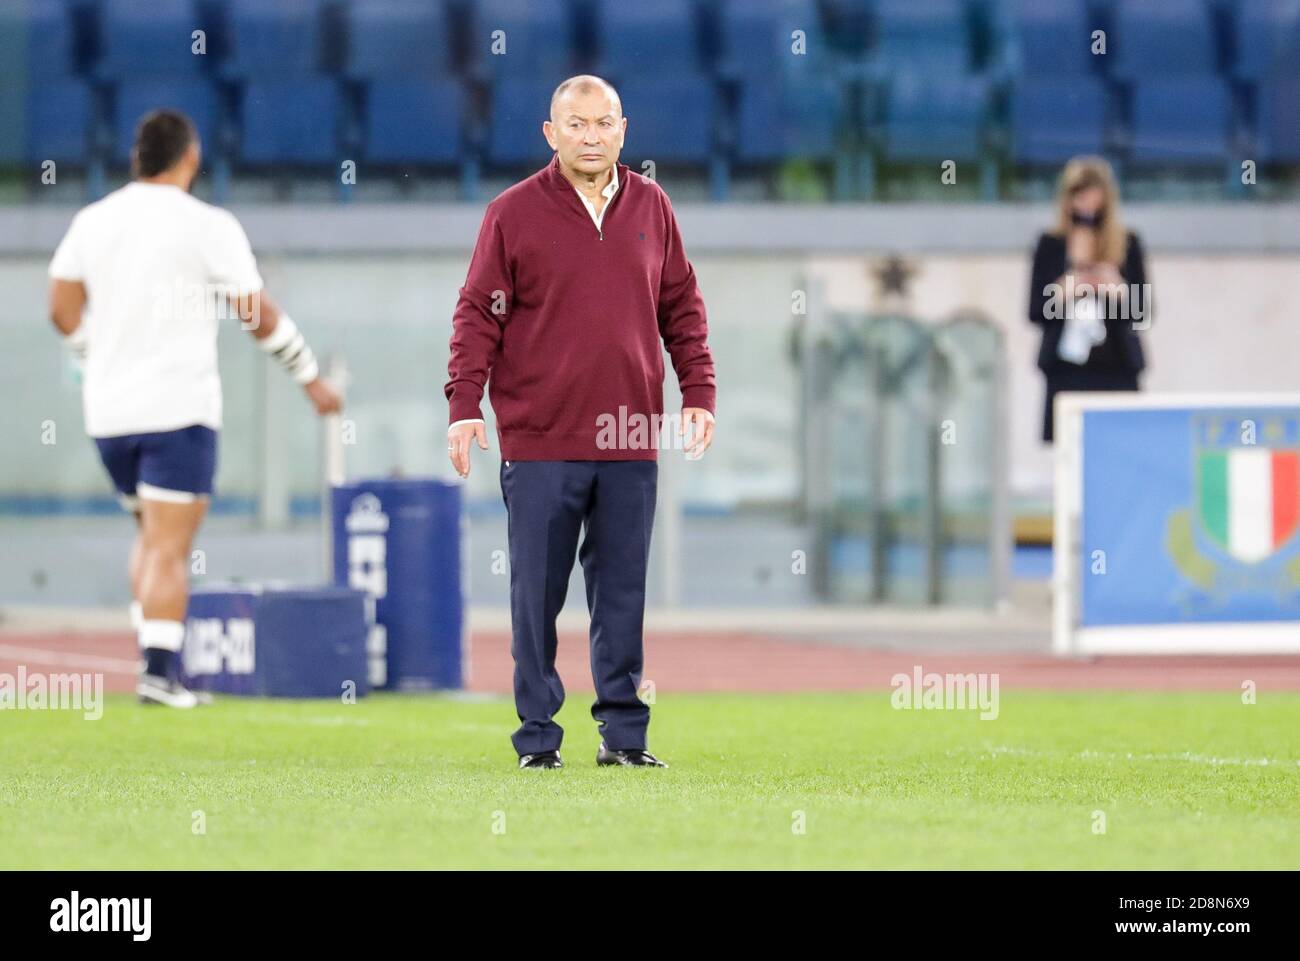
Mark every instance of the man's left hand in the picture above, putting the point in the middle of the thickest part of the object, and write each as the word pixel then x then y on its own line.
pixel 700 423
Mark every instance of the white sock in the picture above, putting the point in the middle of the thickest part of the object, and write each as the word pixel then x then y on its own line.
pixel 137 615
pixel 167 635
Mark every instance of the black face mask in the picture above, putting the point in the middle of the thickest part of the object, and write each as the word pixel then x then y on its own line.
pixel 1086 220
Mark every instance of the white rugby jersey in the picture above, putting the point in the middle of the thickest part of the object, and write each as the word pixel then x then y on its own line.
pixel 157 264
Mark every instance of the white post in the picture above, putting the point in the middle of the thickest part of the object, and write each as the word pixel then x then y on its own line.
pixel 333 463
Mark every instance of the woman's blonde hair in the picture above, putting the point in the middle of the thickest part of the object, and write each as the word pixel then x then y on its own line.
pixel 1080 174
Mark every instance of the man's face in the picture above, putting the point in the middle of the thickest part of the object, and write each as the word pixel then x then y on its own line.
pixel 586 129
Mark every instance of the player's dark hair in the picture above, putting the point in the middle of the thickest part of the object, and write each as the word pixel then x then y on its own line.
pixel 161 139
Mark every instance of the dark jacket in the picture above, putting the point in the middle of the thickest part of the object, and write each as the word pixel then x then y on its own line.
pixel 1122 349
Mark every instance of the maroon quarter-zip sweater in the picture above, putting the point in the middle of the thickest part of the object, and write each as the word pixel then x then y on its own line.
pixel 563 322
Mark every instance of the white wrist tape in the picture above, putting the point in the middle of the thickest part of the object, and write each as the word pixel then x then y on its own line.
pixel 287 345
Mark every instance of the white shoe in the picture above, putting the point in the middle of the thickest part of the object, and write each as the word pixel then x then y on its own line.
pixel 160 690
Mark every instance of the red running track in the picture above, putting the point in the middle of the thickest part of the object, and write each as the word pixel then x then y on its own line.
pixel 725 661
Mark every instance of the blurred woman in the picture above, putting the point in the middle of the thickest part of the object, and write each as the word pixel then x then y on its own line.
pixel 1089 290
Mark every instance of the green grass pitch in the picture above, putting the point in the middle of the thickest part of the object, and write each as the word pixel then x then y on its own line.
pixel 1182 780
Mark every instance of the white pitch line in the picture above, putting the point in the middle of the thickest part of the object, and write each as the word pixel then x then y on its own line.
pixel 1186 756
pixel 110 665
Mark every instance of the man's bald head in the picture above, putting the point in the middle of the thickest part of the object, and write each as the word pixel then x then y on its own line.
pixel 586 83
pixel 586 128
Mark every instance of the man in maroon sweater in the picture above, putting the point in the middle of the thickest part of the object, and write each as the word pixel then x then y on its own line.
pixel 578 275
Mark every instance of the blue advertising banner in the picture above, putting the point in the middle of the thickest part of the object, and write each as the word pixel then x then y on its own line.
pixel 1190 515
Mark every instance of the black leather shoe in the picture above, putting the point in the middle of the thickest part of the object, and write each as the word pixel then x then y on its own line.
pixel 544 759
pixel 634 758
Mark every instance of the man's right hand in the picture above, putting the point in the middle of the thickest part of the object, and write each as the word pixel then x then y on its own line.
pixel 458 442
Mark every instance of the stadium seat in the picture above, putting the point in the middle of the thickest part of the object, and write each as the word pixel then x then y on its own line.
pixel 538 36
pixel 1162 38
pixel 195 97
pixel 636 38
pixel 1049 39
pixel 37 41
pixel 685 135
pixel 416 122
pixel 514 136
pixel 280 39
pixel 755 38
pixel 1267 38
pixel 1053 120
pixel 60 121
pixel 934 116
pixel 397 38
pixel 153 37
pixel 1180 120
pixel 293 121
pixel 922 36
pixel 795 118
pixel 1278 122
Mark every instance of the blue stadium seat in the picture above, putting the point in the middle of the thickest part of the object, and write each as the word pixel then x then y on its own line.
pixel 1278 122
pixel 281 39
pixel 1180 120
pixel 413 122
pixel 39 40
pixel 538 39
pixel 932 116
pixel 153 38
pixel 292 122
pixel 659 37
pixel 660 133
pixel 514 136
pixel 1052 120
pixel 195 97
pixel 848 23
pixel 755 38
pixel 60 120
pixel 933 35
pixel 1267 38
pixel 397 38
pixel 795 118
pixel 1162 38
pixel 1050 39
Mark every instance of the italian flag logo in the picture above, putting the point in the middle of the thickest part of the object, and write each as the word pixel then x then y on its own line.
pixel 1249 499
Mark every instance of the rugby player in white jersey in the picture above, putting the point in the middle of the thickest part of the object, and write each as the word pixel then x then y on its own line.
pixel 138 288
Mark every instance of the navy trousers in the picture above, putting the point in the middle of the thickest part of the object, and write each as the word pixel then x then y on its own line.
pixel 548 505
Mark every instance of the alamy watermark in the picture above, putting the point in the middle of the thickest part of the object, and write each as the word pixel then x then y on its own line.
pixel 36 691
pixel 919 691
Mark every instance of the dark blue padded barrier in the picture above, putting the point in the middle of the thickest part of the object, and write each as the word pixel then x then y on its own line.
pixel 269 642
pixel 401 542
pixel 1266 36
pixel 1278 132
